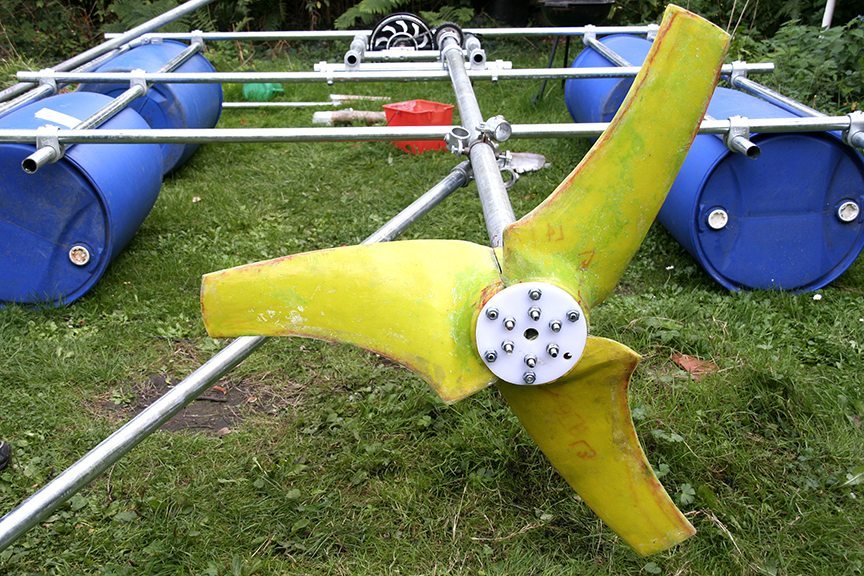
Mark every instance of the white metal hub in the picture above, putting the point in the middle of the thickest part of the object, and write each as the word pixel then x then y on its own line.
pixel 531 333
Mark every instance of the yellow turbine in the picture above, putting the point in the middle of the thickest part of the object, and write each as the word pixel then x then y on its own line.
pixel 418 302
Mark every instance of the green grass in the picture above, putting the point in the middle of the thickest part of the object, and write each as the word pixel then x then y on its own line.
pixel 363 470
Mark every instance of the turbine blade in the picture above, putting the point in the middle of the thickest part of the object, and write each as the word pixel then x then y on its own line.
pixel 414 302
pixel 582 424
pixel 584 234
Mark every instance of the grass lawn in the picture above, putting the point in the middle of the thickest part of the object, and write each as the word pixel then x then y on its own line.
pixel 314 458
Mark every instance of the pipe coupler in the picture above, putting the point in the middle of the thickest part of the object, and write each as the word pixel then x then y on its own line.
pixel 737 138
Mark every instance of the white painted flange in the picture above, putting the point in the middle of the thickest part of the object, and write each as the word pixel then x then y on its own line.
pixel 509 339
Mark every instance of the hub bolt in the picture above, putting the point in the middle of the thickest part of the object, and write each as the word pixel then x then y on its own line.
pixel 529 377
pixel 491 356
pixel 535 294
pixel 573 316
pixel 509 323
pixel 555 325
pixel 552 349
pixel 492 313
pixel 530 361
pixel 534 313
pixel 507 346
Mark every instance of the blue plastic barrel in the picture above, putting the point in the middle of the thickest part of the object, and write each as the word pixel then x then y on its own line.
pixel 777 220
pixel 60 227
pixel 167 105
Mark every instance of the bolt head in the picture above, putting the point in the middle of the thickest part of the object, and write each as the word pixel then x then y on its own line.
pixel 534 313
pixel 555 325
pixel 529 377
pixel 535 294
pixel 490 355
pixel 509 323
pixel 552 350
pixel 573 316
pixel 492 313
pixel 507 346
pixel 531 361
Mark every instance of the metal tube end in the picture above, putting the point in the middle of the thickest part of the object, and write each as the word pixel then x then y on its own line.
pixel 744 146
pixel 477 59
pixel 352 58
pixel 38 159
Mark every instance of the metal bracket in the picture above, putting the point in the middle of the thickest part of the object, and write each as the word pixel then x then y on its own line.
pixel 46 137
pixel 458 140
pixel 136 78
pixel 737 138
pixel 496 128
pixel 651 34
pixel 324 67
pixel 46 78
pixel 739 70
pixel 854 135
pixel 197 39
pixel 505 164
pixel 589 35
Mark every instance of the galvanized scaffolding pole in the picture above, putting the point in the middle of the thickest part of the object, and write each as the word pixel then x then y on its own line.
pixel 350 34
pixel 389 133
pixel 497 210
pixel 331 76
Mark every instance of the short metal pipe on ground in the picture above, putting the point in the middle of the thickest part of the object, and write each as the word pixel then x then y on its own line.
pixel 246 105
pixel 38 506
pixel 114 42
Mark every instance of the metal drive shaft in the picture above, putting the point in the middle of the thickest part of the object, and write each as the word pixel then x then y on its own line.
pixel 497 210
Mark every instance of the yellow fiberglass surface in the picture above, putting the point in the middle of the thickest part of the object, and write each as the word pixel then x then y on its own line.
pixel 416 302
pixel 382 297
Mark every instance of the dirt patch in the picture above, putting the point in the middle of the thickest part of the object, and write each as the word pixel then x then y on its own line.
pixel 216 412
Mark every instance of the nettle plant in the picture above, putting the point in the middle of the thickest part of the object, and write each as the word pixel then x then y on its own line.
pixel 822 68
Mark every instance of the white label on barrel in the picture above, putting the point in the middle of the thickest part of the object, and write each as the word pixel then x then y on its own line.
pixel 57 117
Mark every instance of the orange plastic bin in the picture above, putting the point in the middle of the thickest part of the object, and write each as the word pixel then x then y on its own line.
pixel 419 113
